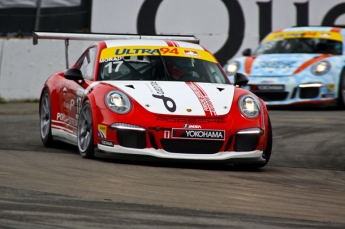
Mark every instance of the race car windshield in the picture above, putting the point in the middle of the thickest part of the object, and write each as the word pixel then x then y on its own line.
pixel 300 45
pixel 161 68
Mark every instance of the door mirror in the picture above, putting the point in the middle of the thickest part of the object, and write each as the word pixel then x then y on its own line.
pixel 240 79
pixel 75 75
pixel 247 52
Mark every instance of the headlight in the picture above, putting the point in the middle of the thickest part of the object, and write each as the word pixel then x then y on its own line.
pixel 232 67
pixel 118 102
pixel 321 68
pixel 249 106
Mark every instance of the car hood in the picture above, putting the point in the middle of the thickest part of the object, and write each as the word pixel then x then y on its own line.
pixel 179 98
pixel 280 64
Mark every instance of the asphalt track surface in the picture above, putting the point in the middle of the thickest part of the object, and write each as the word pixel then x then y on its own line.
pixel 303 186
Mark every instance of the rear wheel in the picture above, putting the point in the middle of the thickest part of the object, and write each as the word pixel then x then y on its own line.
pixel 341 92
pixel 45 120
pixel 85 132
pixel 266 154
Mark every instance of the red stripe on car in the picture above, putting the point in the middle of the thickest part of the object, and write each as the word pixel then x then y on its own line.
pixel 175 43
pixel 203 99
pixel 170 43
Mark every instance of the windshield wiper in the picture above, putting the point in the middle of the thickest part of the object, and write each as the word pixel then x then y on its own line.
pixel 166 72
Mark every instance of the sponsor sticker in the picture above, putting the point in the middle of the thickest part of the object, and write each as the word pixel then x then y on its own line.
pixel 102 131
pixel 166 134
pixel 106 142
pixel 191 126
pixel 198 134
pixel 267 87
pixel 203 98
pixel 191 53
pixel 66 119
pixel 169 103
pixel 69 105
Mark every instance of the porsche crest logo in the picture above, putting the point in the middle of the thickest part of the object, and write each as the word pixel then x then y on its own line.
pixel 189 110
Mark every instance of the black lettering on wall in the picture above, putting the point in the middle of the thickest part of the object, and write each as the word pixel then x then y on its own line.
pixel 236 32
pixel 147 16
pixel 332 15
pixel 302 14
pixel 265 19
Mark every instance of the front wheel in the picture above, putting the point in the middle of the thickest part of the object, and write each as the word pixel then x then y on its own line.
pixel 268 150
pixel 266 154
pixel 85 132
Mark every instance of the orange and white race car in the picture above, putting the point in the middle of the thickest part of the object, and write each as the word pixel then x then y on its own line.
pixel 294 66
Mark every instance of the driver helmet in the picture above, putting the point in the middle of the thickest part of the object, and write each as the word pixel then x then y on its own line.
pixel 178 66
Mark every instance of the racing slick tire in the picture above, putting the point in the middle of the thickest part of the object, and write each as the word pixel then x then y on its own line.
pixel 45 120
pixel 266 154
pixel 341 92
pixel 85 132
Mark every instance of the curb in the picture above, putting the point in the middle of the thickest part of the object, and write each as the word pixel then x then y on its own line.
pixel 19 108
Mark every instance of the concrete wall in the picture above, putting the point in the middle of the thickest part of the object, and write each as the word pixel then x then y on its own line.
pixel 24 67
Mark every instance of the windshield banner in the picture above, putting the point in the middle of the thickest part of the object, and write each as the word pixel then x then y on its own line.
pixel 304 34
pixel 116 53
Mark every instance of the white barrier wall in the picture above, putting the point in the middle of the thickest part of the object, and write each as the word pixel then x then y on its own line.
pixel 214 22
pixel 25 67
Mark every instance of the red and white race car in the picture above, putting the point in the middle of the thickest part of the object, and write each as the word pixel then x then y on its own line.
pixel 161 96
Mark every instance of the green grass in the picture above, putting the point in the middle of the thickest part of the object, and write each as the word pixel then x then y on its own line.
pixel 2 101
pixel 32 100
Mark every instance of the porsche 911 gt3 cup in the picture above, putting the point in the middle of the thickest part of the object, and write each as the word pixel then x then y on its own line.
pixel 299 65
pixel 164 97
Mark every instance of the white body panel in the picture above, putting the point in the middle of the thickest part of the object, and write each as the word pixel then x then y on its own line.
pixel 218 96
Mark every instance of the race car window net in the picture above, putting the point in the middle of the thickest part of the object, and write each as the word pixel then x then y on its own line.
pixel 162 68
pixel 300 45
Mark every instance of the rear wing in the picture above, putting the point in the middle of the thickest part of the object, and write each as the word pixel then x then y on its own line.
pixel 104 36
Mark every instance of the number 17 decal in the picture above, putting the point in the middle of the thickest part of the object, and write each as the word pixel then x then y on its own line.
pixel 110 66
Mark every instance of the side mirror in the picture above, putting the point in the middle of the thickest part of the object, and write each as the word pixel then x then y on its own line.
pixel 247 52
pixel 240 79
pixel 74 74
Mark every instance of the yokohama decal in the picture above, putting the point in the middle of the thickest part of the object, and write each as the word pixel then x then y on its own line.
pixel 198 134
pixel 203 99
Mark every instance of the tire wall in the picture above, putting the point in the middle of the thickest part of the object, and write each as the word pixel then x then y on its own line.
pixel 224 27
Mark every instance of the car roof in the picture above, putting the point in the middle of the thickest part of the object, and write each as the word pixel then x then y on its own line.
pixel 151 42
pixel 313 28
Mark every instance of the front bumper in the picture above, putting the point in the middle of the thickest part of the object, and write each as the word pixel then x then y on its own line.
pixel 256 155
pixel 134 140
pixel 289 90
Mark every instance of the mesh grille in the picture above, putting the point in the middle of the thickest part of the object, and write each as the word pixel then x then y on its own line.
pixel 191 146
